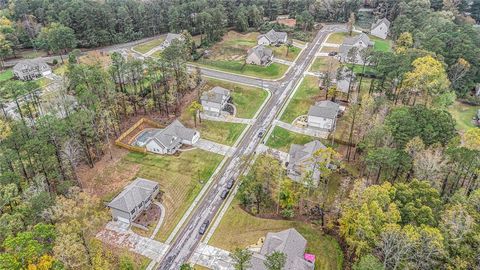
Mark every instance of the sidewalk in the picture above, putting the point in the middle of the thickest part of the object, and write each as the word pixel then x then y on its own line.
pixel 214 147
pixel 280 155
pixel 229 119
pixel 212 258
pixel 281 61
pixel 305 131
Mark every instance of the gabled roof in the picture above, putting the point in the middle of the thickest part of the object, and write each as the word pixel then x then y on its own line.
pixel 273 36
pixel 299 153
pixel 133 194
pixel 351 41
pixel 30 63
pixel 173 134
pixel 325 109
pixel 380 21
pixel 172 36
pixel 261 52
pixel 343 82
pixel 215 95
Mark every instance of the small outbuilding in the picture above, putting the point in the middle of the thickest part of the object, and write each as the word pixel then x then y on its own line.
pixel 380 28
pixel 215 100
pixel 323 115
pixel 31 69
pixel 259 55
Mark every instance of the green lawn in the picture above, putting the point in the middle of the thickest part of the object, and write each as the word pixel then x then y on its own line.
pixel 246 99
pixel 329 49
pixel 60 70
pixel 240 229
pixel 463 115
pixel 281 52
pixel 6 75
pixel 272 71
pixel 381 45
pixel 180 177
pixel 338 38
pixel 281 139
pixel 220 132
pixel 147 46
pixel 324 63
pixel 302 100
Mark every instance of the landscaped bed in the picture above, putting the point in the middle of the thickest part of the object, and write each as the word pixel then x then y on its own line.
pixel 147 46
pixel 246 99
pixel 239 229
pixel 281 139
pixel 304 97
pixel 220 132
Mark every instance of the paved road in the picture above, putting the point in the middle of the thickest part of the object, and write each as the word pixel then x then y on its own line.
pixel 188 238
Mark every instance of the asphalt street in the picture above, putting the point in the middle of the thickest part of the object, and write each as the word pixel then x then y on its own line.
pixel 188 238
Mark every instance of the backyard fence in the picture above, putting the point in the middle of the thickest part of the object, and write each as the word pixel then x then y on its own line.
pixel 126 138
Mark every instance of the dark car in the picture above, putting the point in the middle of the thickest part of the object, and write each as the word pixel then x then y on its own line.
pixel 230 183
pixel 332 53
pixel 204 227
pixel 224 194
pixel 260 134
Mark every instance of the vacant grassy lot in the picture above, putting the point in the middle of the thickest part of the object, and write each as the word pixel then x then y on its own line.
pixel 147 46
pixel 305 96
pixel 463 115
pixel 324 64
pixel 272 71
pixel 281 52
pixel 181 178
pixel 281 139
pixel 6 75
pixel 329 49
pixel 247 99
pixel 338 38
pixel 240 229
pixel 220 132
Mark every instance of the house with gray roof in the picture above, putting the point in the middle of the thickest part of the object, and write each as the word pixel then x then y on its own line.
pixel 170 38
pixel 345 80
pixel 259 55
pixel 133 200
pixel 272 37
pixel 167 140
pixel 301 161
pixel 289 242
pixel 361 42
pixel 214 101
pixel 380 28
pixel 31 69
pixel 323 115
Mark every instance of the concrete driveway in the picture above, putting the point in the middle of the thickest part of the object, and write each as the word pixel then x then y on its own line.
pixel 212 258
pixel 214 147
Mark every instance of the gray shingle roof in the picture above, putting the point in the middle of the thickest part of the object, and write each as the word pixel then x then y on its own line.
pixel 172 36
pixel 216 94
pixel 133 194
pixel 379 21
pixel 325 109
pixel 173 134
pixel 350 41
pixel 299 153
pixel 261 51
pixel 29 64
pixel 274 36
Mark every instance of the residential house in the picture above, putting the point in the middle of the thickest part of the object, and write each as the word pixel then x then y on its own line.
pixel 214 101
pixel 30 69
pixel 360 42
pixel 345 80
pixel 301 161
pixel 289 242
pixel 170 38
pixel 323 115
pixel 380 28
pixel 167 140
pixel 259 55
pixel 133 200
pixel 272 38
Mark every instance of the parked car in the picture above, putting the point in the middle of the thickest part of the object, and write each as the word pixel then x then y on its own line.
pixel 230 183
pixel 332 53
pixel 224 194
pixel 204 227
pixel 260 134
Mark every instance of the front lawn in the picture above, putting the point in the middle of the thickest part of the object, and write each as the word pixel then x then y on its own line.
pixel 327 49
pixel 281 52
pixel 147 46
pixel 240 229
pixel 246 99
pixel 463 115
pixel 281 139
pixel 6 75
pixel 324 64
pixel 272 71
pixel 181 177
pixel 338 38
pixel 220 132
pixel 304 97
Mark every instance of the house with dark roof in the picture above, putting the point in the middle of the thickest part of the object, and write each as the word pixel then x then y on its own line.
pixel 133 200
pixel 259 55
pixel 31 69
pixel 345 80
pixel 380 28
pixel 301 161
pixel 360 42
pixel 214 101
pixel 289 242
pixel 323 115
pixel 167 140
pixel 272 37
pixel 170 38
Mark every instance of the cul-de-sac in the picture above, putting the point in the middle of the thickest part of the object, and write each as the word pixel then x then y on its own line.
pixel 239 135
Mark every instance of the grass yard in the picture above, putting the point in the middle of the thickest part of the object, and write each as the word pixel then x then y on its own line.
pixel 272 71
pixel 463 115
pixel 281 139
pixel 281 52
pixel 220 132
pixel 147 46
pixel 199 267
pixel 329 49
pixel 304 97
pixel 324 64
pixel 179 177
pixel 6 75
pixel 246 99
pixel 338 38
pixel 381 45
pixel 240 229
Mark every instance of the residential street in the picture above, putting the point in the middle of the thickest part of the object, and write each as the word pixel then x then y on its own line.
pixel 188 238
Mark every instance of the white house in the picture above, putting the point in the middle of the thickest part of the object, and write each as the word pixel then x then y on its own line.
pixel 360 42
pixel 272 38
pixel 259 55
pixel 133 200
pixel 214 101
pixel 380 28
pixel 30 69
pixel 323 115
pixel 301 161
pixel 167 140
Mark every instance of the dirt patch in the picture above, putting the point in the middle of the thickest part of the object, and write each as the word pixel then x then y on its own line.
pixel 287 22
pixel 149 216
